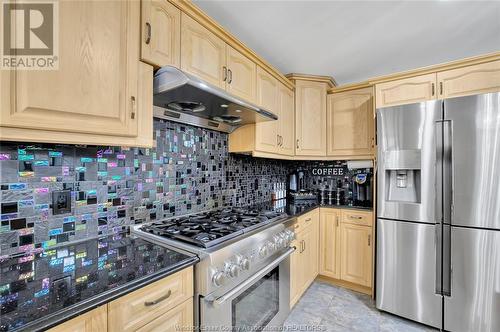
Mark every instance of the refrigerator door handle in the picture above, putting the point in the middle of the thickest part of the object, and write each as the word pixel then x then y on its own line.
pixel 439 267
pixel 447 175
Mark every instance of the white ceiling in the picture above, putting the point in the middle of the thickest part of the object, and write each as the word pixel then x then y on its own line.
pixel 356 40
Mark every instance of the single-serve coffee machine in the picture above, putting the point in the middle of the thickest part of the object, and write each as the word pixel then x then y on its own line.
pixel 362 185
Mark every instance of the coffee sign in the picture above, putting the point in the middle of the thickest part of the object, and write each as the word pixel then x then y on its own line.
pixel 328 170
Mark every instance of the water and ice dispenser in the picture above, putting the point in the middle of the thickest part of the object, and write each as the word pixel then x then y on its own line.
pixel 402 176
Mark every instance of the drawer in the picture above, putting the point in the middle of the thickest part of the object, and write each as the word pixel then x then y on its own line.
pixel 135 310
pixel 357 217
pixel 306 220
pixel 179 318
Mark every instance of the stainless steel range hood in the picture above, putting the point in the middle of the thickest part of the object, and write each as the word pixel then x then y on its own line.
pixel 182 97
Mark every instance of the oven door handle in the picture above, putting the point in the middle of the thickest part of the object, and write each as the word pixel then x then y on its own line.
pixel 220 300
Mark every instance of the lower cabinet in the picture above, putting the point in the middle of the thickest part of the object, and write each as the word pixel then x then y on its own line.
pixel 346 246
pixel 93 321
pixel 304 264
pixel 165 305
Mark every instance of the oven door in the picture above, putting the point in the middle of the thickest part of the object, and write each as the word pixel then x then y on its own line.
pixel 259 303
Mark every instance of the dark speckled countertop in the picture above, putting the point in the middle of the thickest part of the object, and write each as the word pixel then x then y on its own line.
pixel 299 208
pixel 43 289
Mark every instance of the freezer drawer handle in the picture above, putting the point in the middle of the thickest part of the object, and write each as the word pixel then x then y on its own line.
pixel 220 300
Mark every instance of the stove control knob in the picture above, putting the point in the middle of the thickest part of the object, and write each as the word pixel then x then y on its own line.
pixel 245 264
pixel 278 241
pixel 263 251
pixel 232 270
pixel 270 247
pixel 218 278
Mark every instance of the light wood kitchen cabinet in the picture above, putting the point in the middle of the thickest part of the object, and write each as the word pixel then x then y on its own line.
pixel 351 123
pixel 179 318
pixel 286 121
pixel 304 263
pixel 266 133
pixel 241 75
pixel 356 254
pixel 143 306
pixel 161 33
pixel 406 91
pixel 203 54
pixel 471 80
pixel 310 118
pixel 92 321
pixel 93 97
pixel 329 254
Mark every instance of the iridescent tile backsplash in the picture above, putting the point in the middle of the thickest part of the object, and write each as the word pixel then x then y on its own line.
pixel 189 170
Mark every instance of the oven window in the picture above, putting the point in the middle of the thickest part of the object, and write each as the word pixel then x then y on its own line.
pixel 256 307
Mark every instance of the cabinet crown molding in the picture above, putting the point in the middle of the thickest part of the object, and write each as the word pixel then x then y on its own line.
pixel 316 78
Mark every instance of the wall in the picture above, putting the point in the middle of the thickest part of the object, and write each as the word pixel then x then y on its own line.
pixel 189 170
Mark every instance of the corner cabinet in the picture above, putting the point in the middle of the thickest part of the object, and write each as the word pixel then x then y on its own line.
pixel 310 118
pixel 93 98
pixel 350 124
pixel 161 33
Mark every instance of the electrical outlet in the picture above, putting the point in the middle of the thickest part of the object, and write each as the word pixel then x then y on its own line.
pixel 61 202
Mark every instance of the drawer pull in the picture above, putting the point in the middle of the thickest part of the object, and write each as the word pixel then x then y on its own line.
pixel 356 217
pixel 158 300
pixel 308 219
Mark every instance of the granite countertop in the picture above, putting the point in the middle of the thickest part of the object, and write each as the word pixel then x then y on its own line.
pixel 296 209
pixel 43 289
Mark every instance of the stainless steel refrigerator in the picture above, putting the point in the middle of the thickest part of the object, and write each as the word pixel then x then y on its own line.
pixel 438 219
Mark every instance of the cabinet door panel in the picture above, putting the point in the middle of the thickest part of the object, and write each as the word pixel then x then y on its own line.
pixel 310 118
pixel 92 321
pixel 329 253
pixel 471 80
pixel 266 133
pixel 286 121
pixel 160 46
pixel 203 54
pixel 95 88
pixel 406 91
pixel 242 75
pixel 356 254
pixel 351 123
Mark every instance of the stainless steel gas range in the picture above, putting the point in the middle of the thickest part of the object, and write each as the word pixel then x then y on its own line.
pixel 243 278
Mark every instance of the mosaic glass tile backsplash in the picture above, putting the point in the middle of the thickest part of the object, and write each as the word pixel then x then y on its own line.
pixel 109 188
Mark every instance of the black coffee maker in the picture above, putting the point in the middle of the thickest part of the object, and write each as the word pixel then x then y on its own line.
pixel 362 184
pixel 296 187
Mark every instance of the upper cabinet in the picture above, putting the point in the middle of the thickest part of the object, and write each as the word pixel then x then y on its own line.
pixel 241 75
pixel 350 129
pixel 471 80
pixel 406 91
pixel 266 133
pixel 161 33
pixel 286 121
pixel 310 118
pixel 93 97
pixel 203 54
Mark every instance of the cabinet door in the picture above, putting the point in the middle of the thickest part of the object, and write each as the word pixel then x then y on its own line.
pixel 329 248
pixel 406 91
pixel 266 133
pixel 161 33
pixel 179 318
pixel 203 54
pixel 310 118
pixel 311 249
pixel 351 123
pixel 94 91
pixel 472 80
pixel 356 254
pixel 92 321
pixel 296 270
pixel 242 75
pixel 286 121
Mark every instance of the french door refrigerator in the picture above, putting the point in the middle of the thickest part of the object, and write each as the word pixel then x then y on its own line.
pixel 438 219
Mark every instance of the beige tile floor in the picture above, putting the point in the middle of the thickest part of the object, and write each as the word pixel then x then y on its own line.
pixel 325 307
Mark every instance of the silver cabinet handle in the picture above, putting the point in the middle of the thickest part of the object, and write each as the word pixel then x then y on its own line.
pixel 230 72
pixel 369 238
pixel 158 300
pixel 297 143
pixel 433 89
pixel 148 33
pixel 441 88
pixel 224 73
pixel 337 220
pixel 132 104
pixel 355 217
pixel 308 219
pixel 255 277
